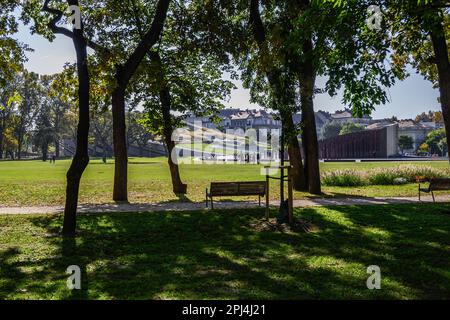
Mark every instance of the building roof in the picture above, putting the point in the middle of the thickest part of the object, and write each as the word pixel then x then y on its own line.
pixel 402 125
pixel 379 125
pixel 411 125
pixel 346 114
pixel 261 114
pixel 226 113
pixel 342 115
pixel 243 115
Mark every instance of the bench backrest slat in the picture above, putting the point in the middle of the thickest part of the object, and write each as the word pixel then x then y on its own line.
pixel 224 188
pixel 440 184
pixel 238 188
pixel 251 187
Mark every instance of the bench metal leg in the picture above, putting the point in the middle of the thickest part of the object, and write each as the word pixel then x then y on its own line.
pixel 260 201
pixel 432 194
pixel 212 203
pixel 419 193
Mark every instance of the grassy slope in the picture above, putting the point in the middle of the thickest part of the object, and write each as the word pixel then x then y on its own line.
pixel 37 183
pixel 215 255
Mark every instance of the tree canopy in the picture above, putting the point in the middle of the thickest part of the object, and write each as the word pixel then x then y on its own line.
pixel 12 52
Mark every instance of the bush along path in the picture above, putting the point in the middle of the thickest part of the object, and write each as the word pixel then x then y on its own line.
pixel 195 206
pixel 400 175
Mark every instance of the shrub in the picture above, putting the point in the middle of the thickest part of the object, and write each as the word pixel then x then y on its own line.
pixel 343 178
pixel 382 176
pixel 411 172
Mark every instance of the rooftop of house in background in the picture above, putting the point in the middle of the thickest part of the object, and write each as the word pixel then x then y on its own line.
pixel 236 118
pixel 242 115
pixel 407 124
pixel 226 113
pixel 411 124
pixel 346 114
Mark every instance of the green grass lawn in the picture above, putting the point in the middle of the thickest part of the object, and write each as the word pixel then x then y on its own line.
pixel 217 255
pixel 38 183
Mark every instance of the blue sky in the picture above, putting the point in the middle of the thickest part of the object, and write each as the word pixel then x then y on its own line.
pixel 407 98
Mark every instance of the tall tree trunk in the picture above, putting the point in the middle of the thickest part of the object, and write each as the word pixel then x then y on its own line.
pixel 57 147
pixel 81 158
pixel 307 79
pixel 105 150
pixel 295 155
pixel 178 186
pixel 19 144
pixel 120 146
pixel 166 104
pixel 443 65
pixel 124 73
pixel 310 146
pixel 44 151
pixel 1 141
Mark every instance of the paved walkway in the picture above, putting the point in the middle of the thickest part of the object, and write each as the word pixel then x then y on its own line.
pixel 190 206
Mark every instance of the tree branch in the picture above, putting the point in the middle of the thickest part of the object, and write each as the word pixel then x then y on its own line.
pixel 58 16
pixel 55 29
pixel 148 41
pixel 98 47
pixel 257 25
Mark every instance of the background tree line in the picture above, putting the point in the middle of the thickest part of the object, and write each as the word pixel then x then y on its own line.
pixel 38 112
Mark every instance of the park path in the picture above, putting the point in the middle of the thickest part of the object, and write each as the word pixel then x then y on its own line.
pixel 196 206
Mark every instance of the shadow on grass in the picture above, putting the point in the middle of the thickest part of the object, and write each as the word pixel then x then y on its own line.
pixel 41 276
pixel 411 243
pixel 10 274
pixel 354 198
pixel 216 255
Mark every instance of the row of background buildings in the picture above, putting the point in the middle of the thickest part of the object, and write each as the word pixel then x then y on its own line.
pixel 378 139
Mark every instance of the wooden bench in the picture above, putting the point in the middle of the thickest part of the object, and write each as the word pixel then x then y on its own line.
pixel 440 184
pixel 236 189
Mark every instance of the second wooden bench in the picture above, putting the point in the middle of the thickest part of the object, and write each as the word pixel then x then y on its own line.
pixel 440 184
pixel 236 189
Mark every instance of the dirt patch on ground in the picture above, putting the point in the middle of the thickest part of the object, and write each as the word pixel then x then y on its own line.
pixel 271 225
